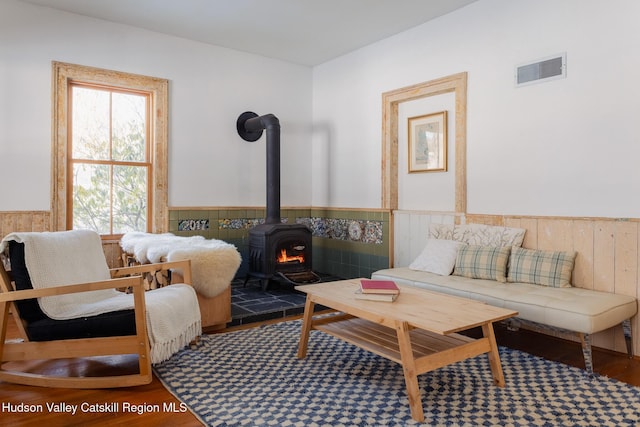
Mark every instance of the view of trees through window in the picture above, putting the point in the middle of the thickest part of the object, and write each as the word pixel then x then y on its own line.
pixel 109 159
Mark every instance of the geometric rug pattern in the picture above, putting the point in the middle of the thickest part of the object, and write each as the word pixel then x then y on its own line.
pixel 253 378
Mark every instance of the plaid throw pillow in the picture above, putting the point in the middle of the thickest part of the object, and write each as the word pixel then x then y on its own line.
pixel 547 268
pixel 482 262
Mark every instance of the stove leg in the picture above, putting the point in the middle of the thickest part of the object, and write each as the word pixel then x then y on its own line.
pixel 246 279
pixel 264 282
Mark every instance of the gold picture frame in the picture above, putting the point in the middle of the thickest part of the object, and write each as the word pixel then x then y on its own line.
pixel 428 143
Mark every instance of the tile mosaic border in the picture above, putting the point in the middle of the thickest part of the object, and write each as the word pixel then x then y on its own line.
pixel 193 224
pixel 363 231
pixel 242 223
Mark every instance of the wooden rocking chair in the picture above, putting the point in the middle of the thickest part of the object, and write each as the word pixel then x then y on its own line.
pixel 121 332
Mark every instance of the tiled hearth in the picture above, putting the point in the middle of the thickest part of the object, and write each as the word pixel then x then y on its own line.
pixel 251 304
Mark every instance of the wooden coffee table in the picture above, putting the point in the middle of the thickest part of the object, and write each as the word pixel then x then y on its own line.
pixel 418 330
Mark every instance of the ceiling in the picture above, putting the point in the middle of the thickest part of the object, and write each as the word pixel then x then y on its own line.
pixel 306 32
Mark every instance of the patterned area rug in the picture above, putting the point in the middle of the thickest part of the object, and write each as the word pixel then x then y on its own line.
pixel 253 378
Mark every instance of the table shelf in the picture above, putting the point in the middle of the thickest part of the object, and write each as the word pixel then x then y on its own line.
pixel 383 341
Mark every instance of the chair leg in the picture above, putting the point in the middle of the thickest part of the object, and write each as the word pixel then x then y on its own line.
pixel 585 339
pixel 4 319
pixel 626 328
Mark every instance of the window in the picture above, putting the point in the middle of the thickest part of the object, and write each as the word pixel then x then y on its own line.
pixel 110 145
pixel 109 164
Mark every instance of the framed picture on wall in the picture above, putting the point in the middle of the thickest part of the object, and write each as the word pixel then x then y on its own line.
pixel 428 143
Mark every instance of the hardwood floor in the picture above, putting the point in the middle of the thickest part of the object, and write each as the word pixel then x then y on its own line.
pixel 99 406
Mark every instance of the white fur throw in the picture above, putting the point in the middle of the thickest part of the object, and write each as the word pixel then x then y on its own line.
pixel 213 262
pixel 72 257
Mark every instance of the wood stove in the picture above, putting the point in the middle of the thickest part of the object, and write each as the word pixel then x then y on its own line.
pixel 282 251
pixel 276 249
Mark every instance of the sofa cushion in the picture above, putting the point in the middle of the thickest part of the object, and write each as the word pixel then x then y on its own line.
pixel 539 267
pixel 482 262
pixel 438 256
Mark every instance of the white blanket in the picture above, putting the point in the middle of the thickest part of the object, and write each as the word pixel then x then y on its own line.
pixel 72 257
pixel 213 262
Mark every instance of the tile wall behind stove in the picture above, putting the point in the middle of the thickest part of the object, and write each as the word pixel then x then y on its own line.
pixel 346 243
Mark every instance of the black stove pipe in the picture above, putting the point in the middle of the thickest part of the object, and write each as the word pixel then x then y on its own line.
pixel 250 127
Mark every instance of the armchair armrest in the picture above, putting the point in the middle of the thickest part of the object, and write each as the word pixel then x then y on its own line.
pixel 134 281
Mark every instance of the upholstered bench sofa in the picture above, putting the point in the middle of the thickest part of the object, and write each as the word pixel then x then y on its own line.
pixel 488 264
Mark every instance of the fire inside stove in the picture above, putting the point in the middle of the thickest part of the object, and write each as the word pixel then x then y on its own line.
pixel 292 263
pixel 292 257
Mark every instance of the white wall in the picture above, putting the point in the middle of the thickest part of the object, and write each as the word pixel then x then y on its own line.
pixel 567 147
pixel 209 88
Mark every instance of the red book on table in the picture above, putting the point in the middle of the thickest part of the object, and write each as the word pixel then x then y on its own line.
pixel 379 287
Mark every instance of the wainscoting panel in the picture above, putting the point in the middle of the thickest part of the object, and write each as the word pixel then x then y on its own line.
pixel 410 231
pixel 24 221
pixel 607 257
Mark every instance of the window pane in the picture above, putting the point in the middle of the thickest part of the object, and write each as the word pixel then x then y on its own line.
pixel 129 124
pixel 91 197
pixel 129 199
pixel 90 124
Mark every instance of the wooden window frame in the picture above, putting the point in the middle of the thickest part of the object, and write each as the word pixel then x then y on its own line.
pixel 65 73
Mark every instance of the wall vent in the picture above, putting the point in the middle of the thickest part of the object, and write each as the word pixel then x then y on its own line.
pixel 542 70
